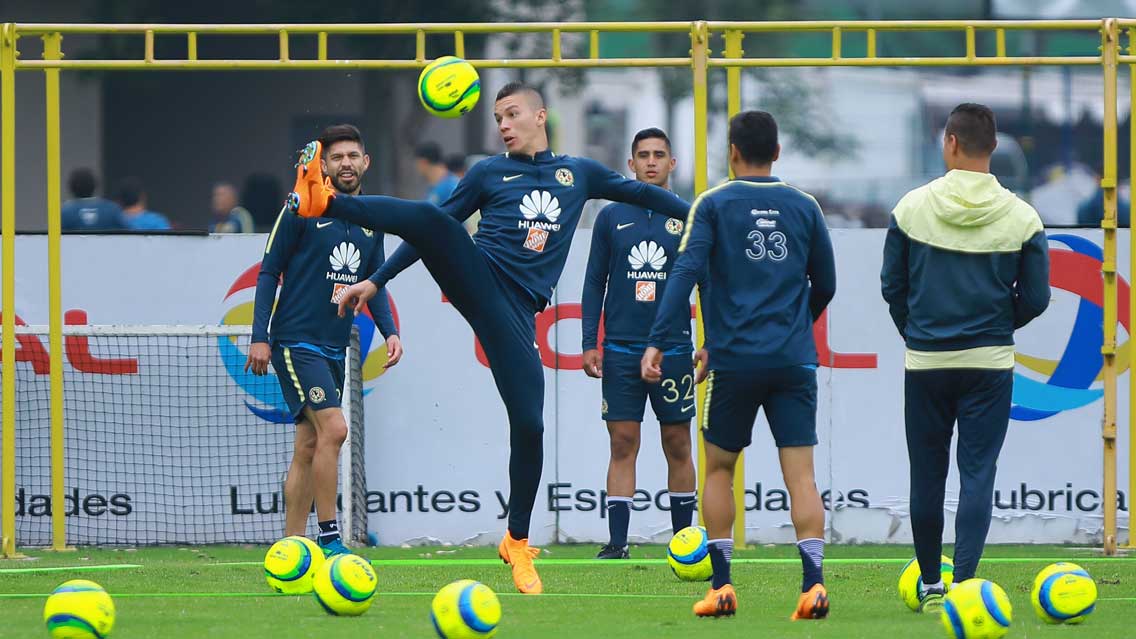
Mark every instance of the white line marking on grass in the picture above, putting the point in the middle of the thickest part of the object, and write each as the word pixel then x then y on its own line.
pixel 20 571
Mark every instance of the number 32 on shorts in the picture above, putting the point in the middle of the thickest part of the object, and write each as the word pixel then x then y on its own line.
pixel 672 389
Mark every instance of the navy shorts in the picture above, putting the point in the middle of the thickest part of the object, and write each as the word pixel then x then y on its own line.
pixel 307 378
pixel 625 393
pixel 789 396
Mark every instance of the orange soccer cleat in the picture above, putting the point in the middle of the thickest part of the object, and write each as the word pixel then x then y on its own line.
pixel 812 604
pixel 518 554
pixel 311 194
pixel 721 602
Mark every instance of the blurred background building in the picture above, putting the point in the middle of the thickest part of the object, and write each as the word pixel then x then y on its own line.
pixel 858 138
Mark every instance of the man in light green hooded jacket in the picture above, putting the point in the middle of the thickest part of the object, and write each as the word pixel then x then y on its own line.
pixel 966 263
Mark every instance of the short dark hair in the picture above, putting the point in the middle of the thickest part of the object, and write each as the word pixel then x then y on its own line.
pixel 646 134
pixel 455 163
pixel 429 151
pixel 129 191
pixel 514 88
pixel 82 182
pixel 754 133
pixel 340 133
pixel 974 127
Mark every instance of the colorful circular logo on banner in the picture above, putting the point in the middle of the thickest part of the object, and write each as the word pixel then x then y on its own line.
pixel 1073 380
pixel 267 401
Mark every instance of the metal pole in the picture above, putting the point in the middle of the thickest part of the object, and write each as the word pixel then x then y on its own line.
pixel 1109 34
pixel 53 50
pixel 733 107
pixel 699 51
pixel 8 284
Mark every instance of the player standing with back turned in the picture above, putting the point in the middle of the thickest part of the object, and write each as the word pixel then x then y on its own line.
pixel 530 200
pixel 772 274
pixel 966 263
pixel 632 253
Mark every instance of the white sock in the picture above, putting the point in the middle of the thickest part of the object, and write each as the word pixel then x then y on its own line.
pixel 935 586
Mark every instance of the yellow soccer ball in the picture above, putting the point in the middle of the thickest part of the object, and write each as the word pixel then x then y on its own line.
pixel 449 87
pixel 345 585
pixel 689 554
pixel 465 609
pixel 976 609
pixel 911 581
pixel 291 563
pixel 79 609
pixel 1063 593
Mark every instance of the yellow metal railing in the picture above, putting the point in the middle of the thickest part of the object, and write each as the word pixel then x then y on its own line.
pixel 699 59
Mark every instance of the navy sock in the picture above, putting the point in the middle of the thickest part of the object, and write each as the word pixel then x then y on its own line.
pixel 329 532
pixel 526 460
pixel 682 509
pixel 618 520
pixel 812 560
pixel 720 552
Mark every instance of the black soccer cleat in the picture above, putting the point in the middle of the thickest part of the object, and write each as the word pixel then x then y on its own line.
pixel 613 552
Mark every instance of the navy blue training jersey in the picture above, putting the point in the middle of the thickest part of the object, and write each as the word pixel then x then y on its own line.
pixel 92 214
pixel 772 268
pixel 319 258
pixel 632 253
pixel 530 207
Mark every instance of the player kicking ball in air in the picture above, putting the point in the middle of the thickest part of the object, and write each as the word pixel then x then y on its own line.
pixel 772 274
pixel 632 252
pixel 530 200
pixel 307 340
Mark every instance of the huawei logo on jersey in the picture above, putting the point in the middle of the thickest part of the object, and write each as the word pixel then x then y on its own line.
pixel 345 256
pixel 647 254
pixel 540 203
pixel 647 260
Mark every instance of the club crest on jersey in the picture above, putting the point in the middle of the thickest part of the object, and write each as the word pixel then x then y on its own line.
pixel 368 232
pixel 673 226
pixel 565 177
pixel 316 395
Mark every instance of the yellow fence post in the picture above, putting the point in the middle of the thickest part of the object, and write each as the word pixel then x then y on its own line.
pixel 699 52
pixel 733 50
pixel 1131 292
pixel 8 283
pixel 1109 36
pixel 53 50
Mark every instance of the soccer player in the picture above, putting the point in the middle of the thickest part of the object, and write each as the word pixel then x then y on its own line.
pixel 319 260
pixel 772 274
pixel 633 250
pixel 966 263
pixel 530 200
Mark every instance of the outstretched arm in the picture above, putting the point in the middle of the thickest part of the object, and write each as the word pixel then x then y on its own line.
pixel 605 183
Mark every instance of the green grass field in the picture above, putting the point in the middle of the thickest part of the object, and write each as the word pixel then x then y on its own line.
pixel 220 592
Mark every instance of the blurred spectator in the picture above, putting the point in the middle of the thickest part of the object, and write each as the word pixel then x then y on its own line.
pixel 428 162
pixel 455 164
pixel 1058 198
pixel 1091 211
pixel 132 197
pixel 86 212
pixel 228 215
pixel 262 196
